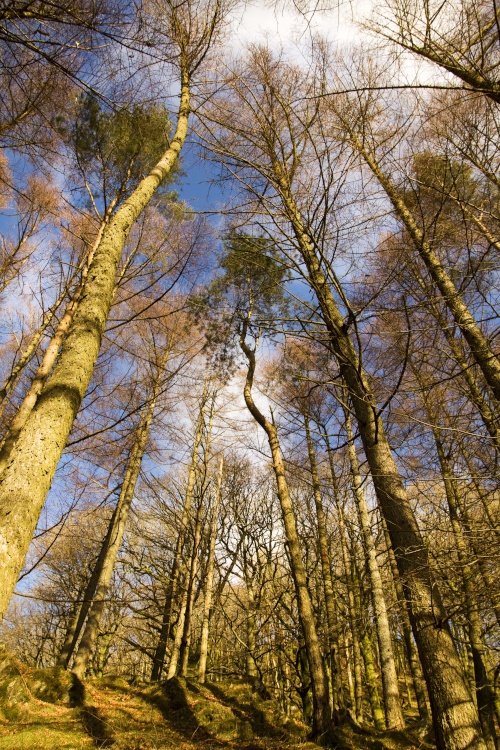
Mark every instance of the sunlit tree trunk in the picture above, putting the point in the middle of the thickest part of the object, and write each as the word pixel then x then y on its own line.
pixel 251 637
pixel 326 565
pixel 209 583
pixel 366 646
pixel 392 701
pixel 185 642
pixel 355 689
pixel 173 584
pixel 410 650
pixel 27 477
pixel 194 565
pixel 484 691
pixel 80 615
pixel 319 685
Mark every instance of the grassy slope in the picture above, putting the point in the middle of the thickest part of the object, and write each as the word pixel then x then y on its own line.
pixel 176 715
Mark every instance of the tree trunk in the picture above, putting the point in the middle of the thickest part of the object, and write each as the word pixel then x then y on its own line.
pixel 78 620
pixel 367 648
pixel 193 569
pixel 410 650
pixel 484 691
pixel 179 631
pixel 490 582
pixel 251 633
pixel 193 572
pixel 319 685
pixel 352 610
pixel 392 701
pixel 209 584
pixel 171 592
pixel 326 566
pixel 116 531
pixel 33 461
pixel 477 398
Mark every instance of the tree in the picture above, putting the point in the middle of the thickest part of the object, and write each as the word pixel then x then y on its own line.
pixel 461 37
pixel 275 159
pixel 33 462
pixel 252 277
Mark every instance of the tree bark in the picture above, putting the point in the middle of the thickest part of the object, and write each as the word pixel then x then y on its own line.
pixel 319 686
pixel 392 700
pixel 326 565
pixel 209 584
pixel 410 650
pixel 185 643
pixel 455 718
pixel 352 610
pixel 171 592
pixel 78 620
pixel 484 692
pixel 367 646
pixel 33 461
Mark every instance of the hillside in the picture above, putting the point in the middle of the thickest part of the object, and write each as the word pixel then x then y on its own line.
pixel 46 709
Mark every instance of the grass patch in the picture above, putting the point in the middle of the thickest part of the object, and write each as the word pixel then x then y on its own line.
pixel 51 710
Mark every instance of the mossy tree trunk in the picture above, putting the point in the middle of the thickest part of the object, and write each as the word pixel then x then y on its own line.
pixel 352 609
pixel 28 474
pixel 366 646
pixel 484 690
pixel 326 565
pixel 392 700
pixel 410 650
pixel 185 641
pixel 209 582
pixel 80 615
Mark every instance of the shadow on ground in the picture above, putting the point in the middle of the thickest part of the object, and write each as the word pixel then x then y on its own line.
pixel 90 716
pixel 246 712
pixel 171 699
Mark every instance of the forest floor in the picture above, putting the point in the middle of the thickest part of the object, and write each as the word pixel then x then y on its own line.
pixel 47 710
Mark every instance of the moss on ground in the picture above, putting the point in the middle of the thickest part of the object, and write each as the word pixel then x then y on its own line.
pixel 35 714
pixel 351 737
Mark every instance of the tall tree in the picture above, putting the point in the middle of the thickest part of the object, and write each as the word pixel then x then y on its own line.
pixel 27 477
pixel 276 158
